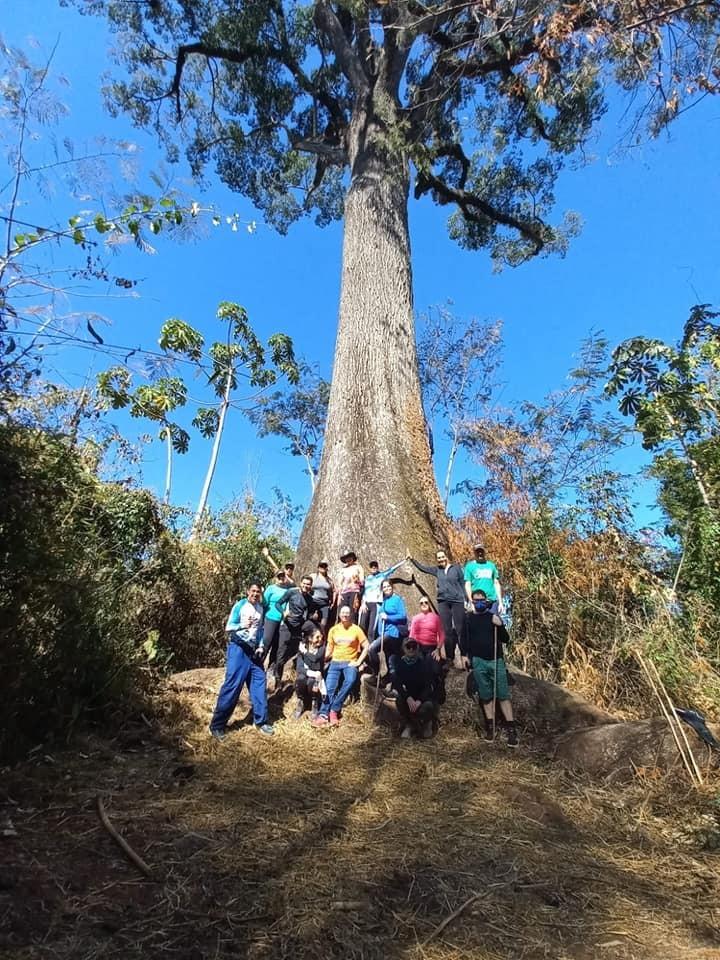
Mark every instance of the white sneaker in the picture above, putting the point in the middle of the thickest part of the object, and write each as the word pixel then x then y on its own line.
pixel 406 733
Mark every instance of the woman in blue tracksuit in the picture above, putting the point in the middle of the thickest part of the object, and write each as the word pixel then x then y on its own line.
pixel 392 627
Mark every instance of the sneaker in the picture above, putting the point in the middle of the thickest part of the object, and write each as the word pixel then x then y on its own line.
pixel 218 734
pixel 427 730
pixel 266 728
pixel 390 694
pixel 406 732
pixel 320 720
pixel 334 718
pixel 512 737
pixel 299 710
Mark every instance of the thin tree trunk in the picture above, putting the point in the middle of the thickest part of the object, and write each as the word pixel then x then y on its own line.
pixel 694 466
pixel 169 465
pixel 213 458
pixel 448 472
pixel 376 491
pixel 311 473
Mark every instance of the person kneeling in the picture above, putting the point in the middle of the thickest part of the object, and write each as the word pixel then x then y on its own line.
pixel 416 683
pixel 309 683
pixel 482 649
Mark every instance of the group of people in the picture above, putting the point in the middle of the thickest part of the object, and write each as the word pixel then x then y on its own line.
pixel 268 628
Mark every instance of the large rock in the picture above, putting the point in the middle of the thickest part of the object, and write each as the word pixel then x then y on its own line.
pixel 548 707
pixel 619 751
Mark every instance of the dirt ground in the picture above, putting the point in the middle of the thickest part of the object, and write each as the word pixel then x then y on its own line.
pixel 346 843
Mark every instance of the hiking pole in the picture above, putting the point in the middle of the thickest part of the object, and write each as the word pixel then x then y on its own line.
pixel 494 679
pixel 382 650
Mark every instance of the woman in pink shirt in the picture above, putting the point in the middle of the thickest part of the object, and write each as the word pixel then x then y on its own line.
pixel 426 627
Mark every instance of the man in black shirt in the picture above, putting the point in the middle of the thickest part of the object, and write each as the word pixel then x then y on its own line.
pixel 482 650
pixel 450 598
pixel 300 608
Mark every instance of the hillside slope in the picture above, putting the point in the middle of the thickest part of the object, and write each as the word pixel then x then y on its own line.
pixel 347 843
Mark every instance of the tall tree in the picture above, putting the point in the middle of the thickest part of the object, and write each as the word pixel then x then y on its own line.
pixel 484 98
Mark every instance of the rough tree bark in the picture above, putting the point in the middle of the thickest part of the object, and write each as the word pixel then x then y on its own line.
pixel 376 491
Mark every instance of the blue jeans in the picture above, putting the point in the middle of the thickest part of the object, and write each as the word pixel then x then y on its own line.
pixel 239 670
pixel 337 694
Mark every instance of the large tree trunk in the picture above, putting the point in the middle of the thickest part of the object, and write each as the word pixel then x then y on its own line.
pixel 376 491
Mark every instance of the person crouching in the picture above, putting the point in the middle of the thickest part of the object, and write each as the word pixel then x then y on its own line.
pixel 309 683
pixel 416 683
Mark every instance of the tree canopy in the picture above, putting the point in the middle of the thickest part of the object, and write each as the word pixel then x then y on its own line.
pixel 486 98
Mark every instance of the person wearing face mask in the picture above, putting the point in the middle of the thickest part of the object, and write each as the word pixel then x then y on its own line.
pixel 482 647
pixel 416 683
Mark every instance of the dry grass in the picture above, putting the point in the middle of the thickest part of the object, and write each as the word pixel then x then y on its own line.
pixel 346 844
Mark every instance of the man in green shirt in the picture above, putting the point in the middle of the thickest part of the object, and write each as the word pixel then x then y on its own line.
pixel 482 574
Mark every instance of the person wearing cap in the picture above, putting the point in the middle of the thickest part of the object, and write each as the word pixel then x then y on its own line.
pixel 296 606
pixel 451 597
pixel 323 590
pixel 350 583
pixel 372 595
pixel 482 647
pixel 482 574
pixel 245 654
pixel 273 619
pixel 415 683
pixel 288 568
pixel 347 648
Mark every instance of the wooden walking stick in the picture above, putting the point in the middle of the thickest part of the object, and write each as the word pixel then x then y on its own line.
pixel 382 651
pixel 494 680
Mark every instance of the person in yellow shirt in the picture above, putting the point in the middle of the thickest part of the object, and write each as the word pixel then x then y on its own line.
pixel 347 648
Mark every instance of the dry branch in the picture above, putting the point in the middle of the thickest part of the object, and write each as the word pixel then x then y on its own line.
pixel 122 843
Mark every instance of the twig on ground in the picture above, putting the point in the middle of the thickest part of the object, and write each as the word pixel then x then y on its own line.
pixel 122 843
pixel 453 916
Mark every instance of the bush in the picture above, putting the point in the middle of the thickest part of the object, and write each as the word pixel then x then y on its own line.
pixel 95 586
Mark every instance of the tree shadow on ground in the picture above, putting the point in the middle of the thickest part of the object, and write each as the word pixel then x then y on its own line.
pixel 346 843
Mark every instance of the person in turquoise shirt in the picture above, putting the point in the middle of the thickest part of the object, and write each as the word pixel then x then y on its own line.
pixel 273 617
pixel 482 574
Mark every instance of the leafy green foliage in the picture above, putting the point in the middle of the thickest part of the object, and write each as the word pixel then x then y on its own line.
pixel 486 107
pixel 96 584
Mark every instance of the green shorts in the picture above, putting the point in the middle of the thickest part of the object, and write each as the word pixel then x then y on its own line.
pixel 484 671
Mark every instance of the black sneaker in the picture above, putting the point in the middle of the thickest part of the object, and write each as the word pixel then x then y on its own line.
pixel 217 734
pixel 512 737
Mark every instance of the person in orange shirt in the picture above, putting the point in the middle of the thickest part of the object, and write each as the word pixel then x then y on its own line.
pixel 347 648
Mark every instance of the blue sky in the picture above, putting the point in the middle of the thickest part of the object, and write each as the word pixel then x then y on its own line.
pixel 647 252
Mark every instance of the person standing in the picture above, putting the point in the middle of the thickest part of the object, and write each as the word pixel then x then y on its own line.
pixel 450 597
pixel 372 595
pixel 482 574
pixel 347 648
pixel 392 627
pixel 323 590
pixel 273 619
pixel 482 648
pixel 350 583
pixel 296 606
pixel 427 628
pixel 245 653
pixel 416 686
